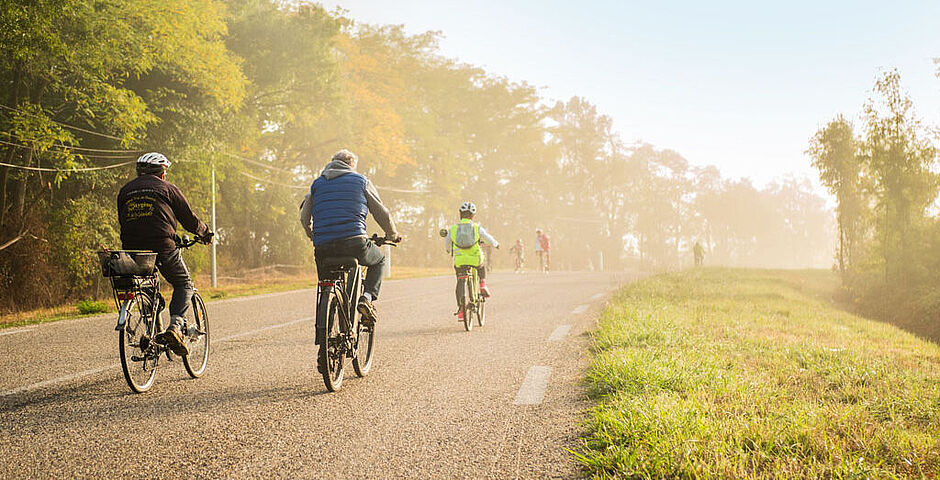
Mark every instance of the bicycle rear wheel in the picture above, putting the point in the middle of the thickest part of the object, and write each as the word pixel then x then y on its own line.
pixel 134 343
pixel 196 337
pixel 331 357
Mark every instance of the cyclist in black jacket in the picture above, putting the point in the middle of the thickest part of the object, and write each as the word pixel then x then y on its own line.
pixel 148 210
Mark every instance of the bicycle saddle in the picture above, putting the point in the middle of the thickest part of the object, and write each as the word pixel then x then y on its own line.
pixel 340 263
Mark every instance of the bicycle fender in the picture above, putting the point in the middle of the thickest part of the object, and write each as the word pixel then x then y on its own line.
pixel 122 317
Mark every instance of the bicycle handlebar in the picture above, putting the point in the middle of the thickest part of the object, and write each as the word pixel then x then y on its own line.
pixel 186 242
pixel 379 241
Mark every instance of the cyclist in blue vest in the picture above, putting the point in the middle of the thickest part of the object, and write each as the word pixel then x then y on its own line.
pixel 334 214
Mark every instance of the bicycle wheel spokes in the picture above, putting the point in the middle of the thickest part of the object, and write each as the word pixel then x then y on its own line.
pixel 135 345
pixel 197 338
pixel 332 354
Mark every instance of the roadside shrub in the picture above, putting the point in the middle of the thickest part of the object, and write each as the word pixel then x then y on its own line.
pixel 87 307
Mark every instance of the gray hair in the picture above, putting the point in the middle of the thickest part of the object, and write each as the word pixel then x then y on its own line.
pixel 346 156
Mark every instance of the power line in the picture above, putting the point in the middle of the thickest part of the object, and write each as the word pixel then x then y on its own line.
pixel 90 132
pixel 67 170
pixel 255 162
pixel 299 187
pixel 83 155
pixel 70 147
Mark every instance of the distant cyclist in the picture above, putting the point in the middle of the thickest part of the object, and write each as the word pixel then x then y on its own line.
pixel 148 210
pixel 333 215
pixel 518 250
pixel 464 242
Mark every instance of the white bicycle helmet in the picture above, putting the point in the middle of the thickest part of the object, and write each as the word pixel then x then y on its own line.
pixel 155 159
pixel 468 207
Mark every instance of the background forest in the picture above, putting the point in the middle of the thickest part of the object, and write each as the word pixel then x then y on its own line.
pixel 266 91
pixel 884 176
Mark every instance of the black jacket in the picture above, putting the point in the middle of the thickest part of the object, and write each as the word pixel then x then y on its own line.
pixel 148 209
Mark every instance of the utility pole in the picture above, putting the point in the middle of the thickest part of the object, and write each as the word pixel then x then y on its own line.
pixel 215 277
pixel 388 261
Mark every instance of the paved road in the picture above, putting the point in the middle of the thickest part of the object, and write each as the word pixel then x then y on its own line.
pixel 440 402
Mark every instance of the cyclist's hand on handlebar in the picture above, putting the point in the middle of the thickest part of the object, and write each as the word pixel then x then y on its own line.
pixel 396 239
pixel 207 238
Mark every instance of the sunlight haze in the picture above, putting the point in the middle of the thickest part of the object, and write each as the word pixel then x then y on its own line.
pixel 741 85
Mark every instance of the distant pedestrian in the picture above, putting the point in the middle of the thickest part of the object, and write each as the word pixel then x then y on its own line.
pixel 543 249
pixel 699 253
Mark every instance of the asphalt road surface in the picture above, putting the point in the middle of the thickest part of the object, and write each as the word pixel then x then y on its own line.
pixel 501 401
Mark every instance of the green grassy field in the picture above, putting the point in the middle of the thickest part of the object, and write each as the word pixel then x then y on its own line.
pixel 719 373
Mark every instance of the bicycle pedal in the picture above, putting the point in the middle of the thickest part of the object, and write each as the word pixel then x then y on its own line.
pixel 136 358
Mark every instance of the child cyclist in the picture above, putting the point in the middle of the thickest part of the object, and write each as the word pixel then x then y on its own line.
pixel 464 242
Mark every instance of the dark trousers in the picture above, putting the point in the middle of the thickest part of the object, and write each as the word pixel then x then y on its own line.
pixel 174 271
pixel 364 251
pixel 465 270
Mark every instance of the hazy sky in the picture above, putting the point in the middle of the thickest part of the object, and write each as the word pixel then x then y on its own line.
pixel 739 84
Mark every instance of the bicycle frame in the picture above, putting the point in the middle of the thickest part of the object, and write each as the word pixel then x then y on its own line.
pixel 344 284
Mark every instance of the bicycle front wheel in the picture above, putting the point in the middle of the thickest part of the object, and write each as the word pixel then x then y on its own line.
pixel 481 312
pixel 332 356
pixel 135 344
pixel 196 336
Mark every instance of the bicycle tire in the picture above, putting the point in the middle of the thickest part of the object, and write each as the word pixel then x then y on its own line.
pixel 330 356
pixel 198 341
pixel 365 342
pixel 481 312
pixel 139 375
pixel 467 305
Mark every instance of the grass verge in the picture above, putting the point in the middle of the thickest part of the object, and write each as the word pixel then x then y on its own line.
pixel 230 290
pixel 719 373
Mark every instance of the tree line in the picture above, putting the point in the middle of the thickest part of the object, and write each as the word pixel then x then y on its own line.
pixel 883 172
pixel 264 91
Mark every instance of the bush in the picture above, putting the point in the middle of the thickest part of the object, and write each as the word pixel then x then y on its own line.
pixel 87 307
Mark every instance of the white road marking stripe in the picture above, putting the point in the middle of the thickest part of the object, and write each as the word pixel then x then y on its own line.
pixel 597 296
pixel 533 386
pixel 11 332
pixel 579 309
pixel 560 333
pixel 264 329
pixel 46 383
pixel 74 376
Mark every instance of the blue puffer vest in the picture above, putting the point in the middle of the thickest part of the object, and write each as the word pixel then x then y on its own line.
pixel 339 207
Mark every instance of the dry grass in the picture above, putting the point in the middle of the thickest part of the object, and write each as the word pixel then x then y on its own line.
pixel 258 285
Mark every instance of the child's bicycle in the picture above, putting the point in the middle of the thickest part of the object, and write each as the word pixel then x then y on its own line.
pixel 470 300
pixel 136 289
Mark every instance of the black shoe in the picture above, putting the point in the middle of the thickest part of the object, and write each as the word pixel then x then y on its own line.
pixel 173 339
pixel 367 310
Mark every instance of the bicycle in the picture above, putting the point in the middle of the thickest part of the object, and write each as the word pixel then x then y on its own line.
pixel 340 332
pixel 474 303
pixel 135 286
pixel 468 284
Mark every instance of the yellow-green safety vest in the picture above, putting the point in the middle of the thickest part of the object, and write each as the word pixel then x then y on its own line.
pixel 466 256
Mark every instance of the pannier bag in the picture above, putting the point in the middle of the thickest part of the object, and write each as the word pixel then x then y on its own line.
pixel 465 237
pixel 122 263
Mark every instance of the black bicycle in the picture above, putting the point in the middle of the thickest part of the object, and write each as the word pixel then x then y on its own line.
pixel 340 331
pixel 136 289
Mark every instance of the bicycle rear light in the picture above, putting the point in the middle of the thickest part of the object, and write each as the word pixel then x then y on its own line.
pixel 125 295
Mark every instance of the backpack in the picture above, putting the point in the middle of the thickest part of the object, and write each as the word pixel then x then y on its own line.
pixel 465 237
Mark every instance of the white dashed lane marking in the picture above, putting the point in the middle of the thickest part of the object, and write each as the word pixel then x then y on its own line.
pixel 579 309
pixel 597 296
pixel 560 333
pixel 11 332
pixel 532 391
pixel 85 373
